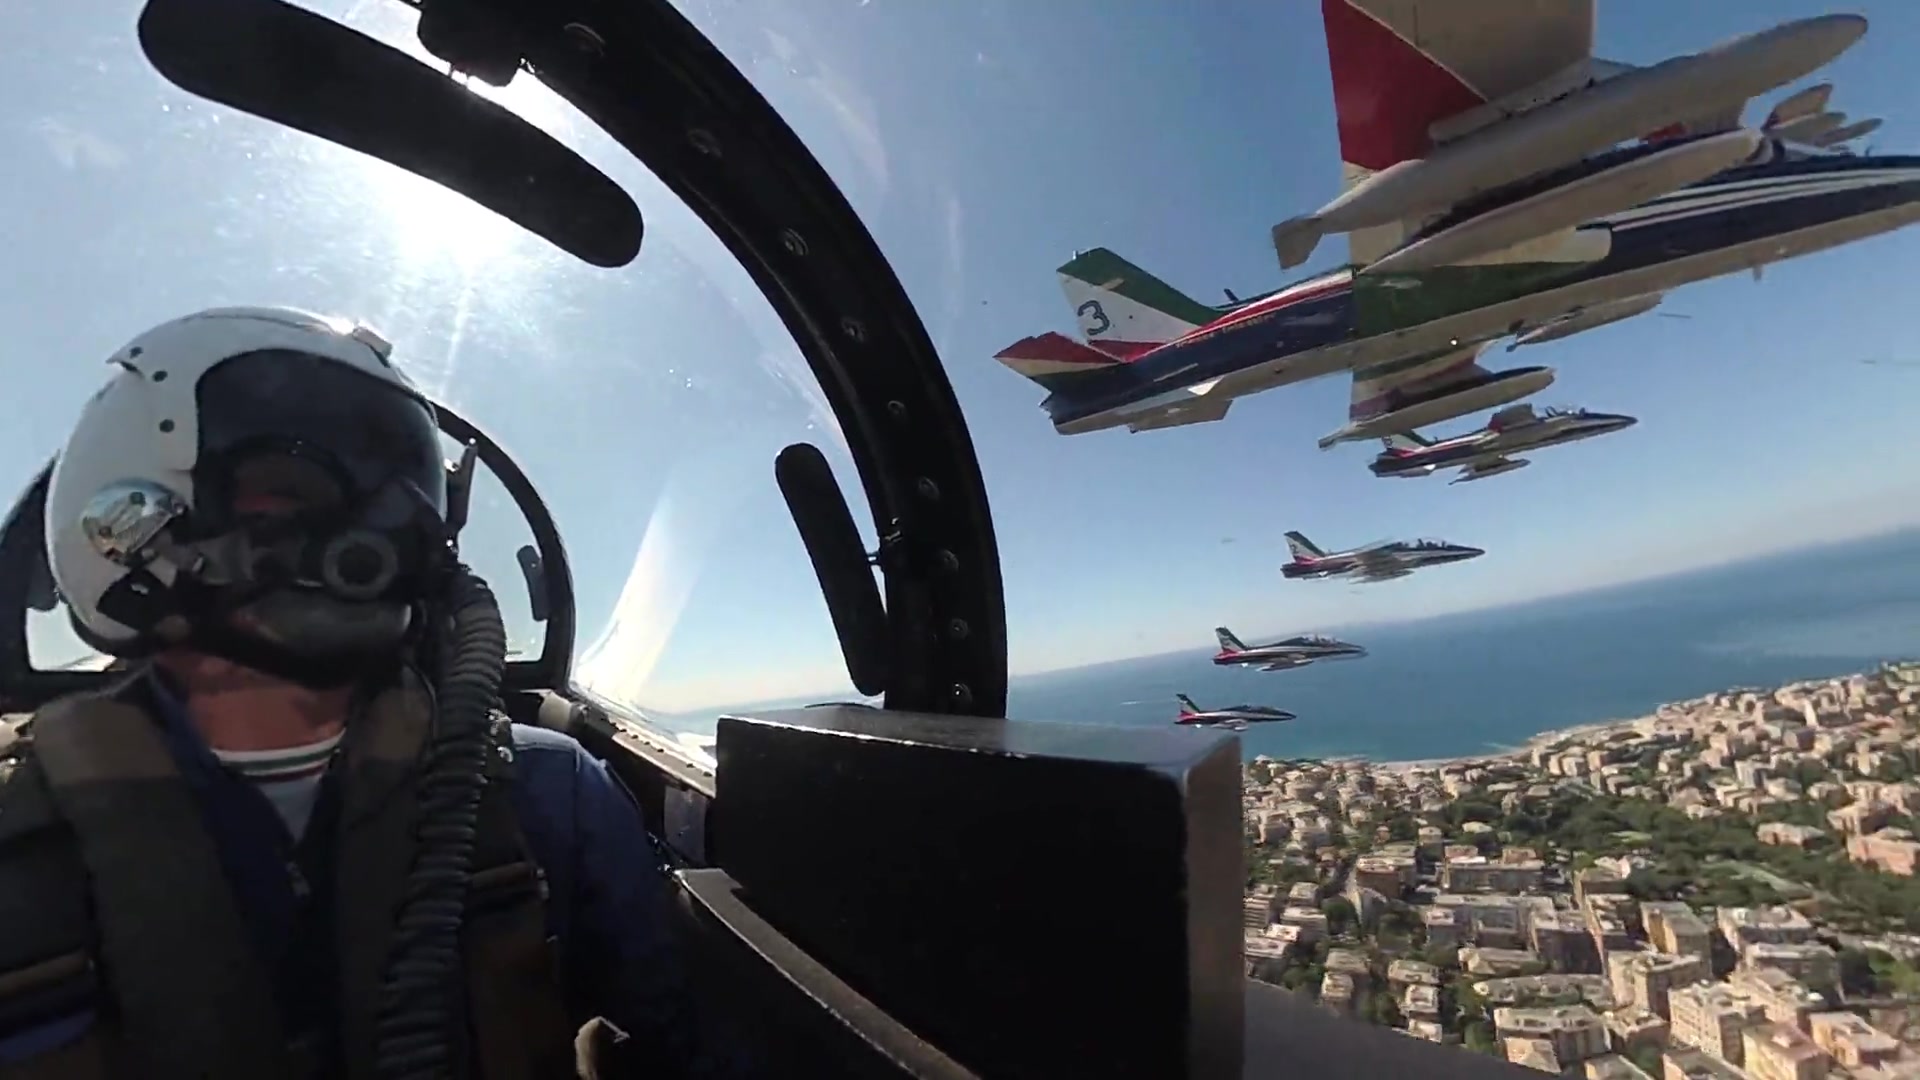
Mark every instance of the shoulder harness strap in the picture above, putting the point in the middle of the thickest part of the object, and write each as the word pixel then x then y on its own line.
pixel 516 996
pixel 515 1013
pixel 193 1000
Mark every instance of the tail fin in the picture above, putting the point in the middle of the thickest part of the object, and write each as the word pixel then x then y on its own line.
pixel 1228 643
pixel 1124 311
pixel 1055 361
pixel 1187 703
pixel 1303 549
pixel 1406 442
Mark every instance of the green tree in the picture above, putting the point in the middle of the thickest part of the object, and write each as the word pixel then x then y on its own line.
pixel 1399 918
pixel 1260 773
pixel 1856 974
pixel 1471 807
pixel 1477 1035
pixel 1401 828
pixel 1893 975
pixel 1647 1056
pixel 1377 1007
pixel 1259 863
pixel 1472 1006
pixel 1339 913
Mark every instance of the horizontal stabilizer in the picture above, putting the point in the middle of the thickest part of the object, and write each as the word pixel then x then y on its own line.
pixel 1808 128
pixel 1054 360
pixel 1801 103
pixel 1845 134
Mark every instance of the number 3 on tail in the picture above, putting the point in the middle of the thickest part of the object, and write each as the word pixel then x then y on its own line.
pixel 1093 318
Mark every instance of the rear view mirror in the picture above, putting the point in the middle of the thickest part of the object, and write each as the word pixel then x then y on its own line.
pixel 307 72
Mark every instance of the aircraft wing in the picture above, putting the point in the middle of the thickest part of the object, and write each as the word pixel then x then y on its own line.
pixel 1410 74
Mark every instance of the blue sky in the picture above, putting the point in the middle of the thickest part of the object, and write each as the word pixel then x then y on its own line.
pixel 983 144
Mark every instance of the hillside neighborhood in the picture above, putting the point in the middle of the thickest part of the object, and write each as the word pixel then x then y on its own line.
pixel 1724 888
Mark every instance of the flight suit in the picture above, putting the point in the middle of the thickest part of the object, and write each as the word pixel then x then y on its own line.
pixel 114 900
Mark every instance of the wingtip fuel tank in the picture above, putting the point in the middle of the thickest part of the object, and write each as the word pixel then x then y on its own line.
pixel 1295 238
pixel 1491 391
pixel 1481 472
pixel 1566 206
pixel 1590 318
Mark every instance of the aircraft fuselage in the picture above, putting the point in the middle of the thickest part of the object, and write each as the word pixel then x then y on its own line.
pixel 1739 219
pixel 1381 563
pixel 1236 717
pixel 1293 652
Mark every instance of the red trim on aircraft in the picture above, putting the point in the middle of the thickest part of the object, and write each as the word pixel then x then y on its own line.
pixel 1054 348
pixel 1386 92
pixel 1672 131
pixel 1286 298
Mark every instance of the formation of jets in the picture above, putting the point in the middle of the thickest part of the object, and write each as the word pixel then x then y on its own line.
pixel 1282 655
pixel 1499 183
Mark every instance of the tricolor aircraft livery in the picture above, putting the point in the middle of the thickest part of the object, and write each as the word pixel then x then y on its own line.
pixel 1500 182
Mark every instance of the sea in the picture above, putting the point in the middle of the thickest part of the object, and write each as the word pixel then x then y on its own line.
pixel 1489 680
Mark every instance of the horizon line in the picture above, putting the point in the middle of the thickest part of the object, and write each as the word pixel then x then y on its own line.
pixel 839 691
pixel 1509 605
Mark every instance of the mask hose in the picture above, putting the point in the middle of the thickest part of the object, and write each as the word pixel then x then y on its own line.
pixel 414 1026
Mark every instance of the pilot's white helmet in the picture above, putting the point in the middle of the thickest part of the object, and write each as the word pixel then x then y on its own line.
pixel 151 464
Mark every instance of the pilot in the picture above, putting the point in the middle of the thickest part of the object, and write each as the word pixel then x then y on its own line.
pixel 295 838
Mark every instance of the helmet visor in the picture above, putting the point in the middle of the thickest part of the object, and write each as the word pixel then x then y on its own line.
pixel 372 439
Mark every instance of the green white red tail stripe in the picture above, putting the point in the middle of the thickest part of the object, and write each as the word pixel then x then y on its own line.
pixel 1122 310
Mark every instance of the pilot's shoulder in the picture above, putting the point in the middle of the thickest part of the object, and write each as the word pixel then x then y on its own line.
pixel 543 743
pixel 551 762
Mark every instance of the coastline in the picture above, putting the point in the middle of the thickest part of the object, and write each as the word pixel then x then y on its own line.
pixel 1600 727
pixel 1509 753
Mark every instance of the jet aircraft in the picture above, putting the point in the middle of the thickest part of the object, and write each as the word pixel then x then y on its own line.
pixel 1375 562
pixel 1281 655
pixel 1232 718
pixel 1483 453
pixel 1501 183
